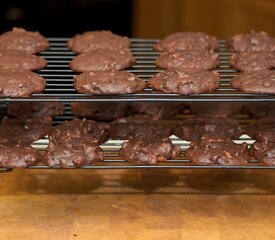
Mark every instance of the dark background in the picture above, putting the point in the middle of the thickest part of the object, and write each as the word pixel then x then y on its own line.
pixel 65 18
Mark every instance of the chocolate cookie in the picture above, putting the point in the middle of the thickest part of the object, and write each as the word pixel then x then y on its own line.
pixel 149 151
pixel 139 131
pixel 17 156
pixel 100 111
pixel 93 40
pixel 22 131
pixel 35 110
pixel 75 144
pixel 18 59
pixel 185 81
pixel 137 119
pixel 264 149
pixel 158 110
pixel 188 59
pixel 259 82
pixel 103 59
pixel 259 109
pixel 251 42
pixel 108 82
pixel 20 83
pixel 20 39
pixel 261 127
pixel 197 41
pixel 72 153
pixel 217 151
pixel 252 61
pixel 194 128
pixel 87 130
pixel 221 109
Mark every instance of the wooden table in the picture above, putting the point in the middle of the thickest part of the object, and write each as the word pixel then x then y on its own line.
pixel 137 204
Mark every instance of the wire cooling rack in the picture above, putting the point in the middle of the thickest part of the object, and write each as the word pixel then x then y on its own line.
pixel 60 78
pixel 113 161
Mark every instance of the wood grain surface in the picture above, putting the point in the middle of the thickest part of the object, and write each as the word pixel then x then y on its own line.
pixel 137 204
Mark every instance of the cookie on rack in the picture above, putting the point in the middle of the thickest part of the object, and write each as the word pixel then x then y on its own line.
pixel 195 128
pixel 75 144
pixel 217 151
pixel 108 82
pixel 197 41
pixel 185 81
pixel 103 59
pixel 137 119
pixel 100 111
pixel 188 59
pixel 158 109
pixel 87 130
pixel 149 151
pixel 93 40
pixel 22 131
pixel 22 40
pixel 22 60
pixel 72 153
pixel 259 109
pixel 18 156
pixel 263 149
pixel 20 83
pixel 253 61
pixel 218 109
pixel 36 110
pixel 261 127
pixel 127 131
pixel 257 82
pixel 251 42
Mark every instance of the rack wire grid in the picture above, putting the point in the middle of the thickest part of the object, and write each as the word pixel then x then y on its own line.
pixel 60 85
pixel 112 159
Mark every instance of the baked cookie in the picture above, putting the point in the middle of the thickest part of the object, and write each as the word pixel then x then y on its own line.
pixel 108 82
pixel 197 41
pixel 259 109
pixel 261 127
pixel 93 40
pixel 258 82
pixel 20 83
pixel 22 40
pixel 217 151
pixel 22 131
pixel 194 128
pixel 158 109
pixel 100 111
pixel 87 130
pixel 251 42
pixel 252 61
pixel 139 131
pixel 72 153
pixel 149 151
pixel 185 81
pixel 20 60
pixel 263 149
pixel 74 144
pixel 103 59
pixel 35 110
pixel 137 119
pixel 17 156
pixel 220 109
pixel 188 59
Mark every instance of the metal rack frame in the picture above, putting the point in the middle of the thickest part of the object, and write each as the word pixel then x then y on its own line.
pixel 60 88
